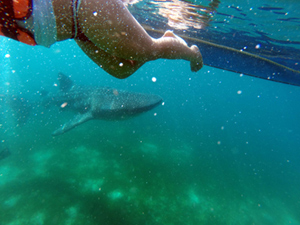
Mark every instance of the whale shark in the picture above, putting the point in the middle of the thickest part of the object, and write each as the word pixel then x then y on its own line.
pixel 91 103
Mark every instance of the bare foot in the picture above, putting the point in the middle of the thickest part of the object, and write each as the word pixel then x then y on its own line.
pixel 174 47
pixel 197 61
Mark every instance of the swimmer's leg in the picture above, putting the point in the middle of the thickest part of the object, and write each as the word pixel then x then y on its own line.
pixel 117 67
pixel 111 27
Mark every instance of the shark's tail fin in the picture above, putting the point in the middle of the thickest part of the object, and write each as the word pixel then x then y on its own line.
pixel 43 93
pixel 65 82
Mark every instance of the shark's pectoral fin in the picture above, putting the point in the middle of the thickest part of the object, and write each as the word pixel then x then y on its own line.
pixel 77 120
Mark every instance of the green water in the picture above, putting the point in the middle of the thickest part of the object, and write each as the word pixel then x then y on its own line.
pixel 223 149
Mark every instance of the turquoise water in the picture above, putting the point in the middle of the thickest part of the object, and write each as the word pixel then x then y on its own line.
pixel 222 149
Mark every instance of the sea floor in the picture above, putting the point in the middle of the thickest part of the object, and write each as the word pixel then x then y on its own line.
pixel 124 177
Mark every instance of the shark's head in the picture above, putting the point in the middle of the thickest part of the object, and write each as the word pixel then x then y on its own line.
pixel 140 102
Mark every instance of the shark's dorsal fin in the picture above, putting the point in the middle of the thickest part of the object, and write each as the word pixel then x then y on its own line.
pixel 65 82
pixel 77 120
